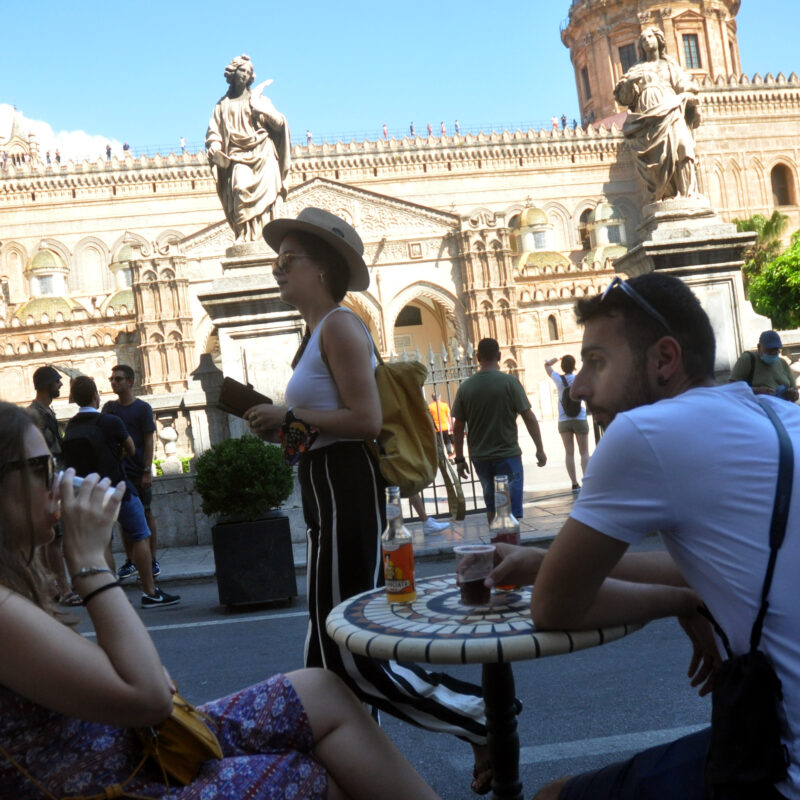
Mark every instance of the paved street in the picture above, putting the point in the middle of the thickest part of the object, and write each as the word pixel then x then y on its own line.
pixel 580 710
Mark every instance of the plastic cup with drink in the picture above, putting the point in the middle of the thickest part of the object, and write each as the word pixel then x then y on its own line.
pixel 473 563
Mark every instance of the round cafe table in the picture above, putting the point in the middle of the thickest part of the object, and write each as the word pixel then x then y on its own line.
pixel 437 629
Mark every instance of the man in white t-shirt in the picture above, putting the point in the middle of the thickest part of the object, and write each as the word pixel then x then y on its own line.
pixel 699 463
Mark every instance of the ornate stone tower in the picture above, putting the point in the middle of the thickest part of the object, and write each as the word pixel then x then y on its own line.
pixel 602 34
pixel 163 320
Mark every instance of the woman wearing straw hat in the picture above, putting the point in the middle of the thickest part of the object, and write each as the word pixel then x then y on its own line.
pixel 332 410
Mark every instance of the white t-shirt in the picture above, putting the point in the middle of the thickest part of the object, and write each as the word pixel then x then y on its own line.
pixel 556 378
pixel 702 468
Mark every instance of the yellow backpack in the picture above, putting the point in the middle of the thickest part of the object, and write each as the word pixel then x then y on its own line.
pixel 406 445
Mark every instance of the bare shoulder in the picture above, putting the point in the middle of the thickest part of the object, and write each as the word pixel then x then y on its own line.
pixel 344 327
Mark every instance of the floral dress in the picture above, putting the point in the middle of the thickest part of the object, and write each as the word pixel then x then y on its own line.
pixel 263 730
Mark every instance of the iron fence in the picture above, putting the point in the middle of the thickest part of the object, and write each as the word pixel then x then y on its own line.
pixel 447 370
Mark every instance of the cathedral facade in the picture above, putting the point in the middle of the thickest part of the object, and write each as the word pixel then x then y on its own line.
pixel 466 236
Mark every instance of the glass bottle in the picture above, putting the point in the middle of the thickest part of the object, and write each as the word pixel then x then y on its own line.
pixel 505 526
pixel 398 552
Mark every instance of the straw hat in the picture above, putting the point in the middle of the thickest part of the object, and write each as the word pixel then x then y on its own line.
pixel 331 229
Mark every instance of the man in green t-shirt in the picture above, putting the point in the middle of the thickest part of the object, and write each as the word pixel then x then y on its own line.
pixel 488 404
pixel 765 370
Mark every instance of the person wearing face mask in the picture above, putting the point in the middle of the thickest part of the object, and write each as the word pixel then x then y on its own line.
pixel 765 370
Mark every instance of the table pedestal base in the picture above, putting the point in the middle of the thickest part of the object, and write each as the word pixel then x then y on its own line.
pixel 501 720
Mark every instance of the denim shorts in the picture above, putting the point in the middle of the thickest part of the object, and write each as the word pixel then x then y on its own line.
pixel 132 519
pixel 486 469
pixel 145 493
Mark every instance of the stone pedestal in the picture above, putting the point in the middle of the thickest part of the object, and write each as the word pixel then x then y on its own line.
pixel 258 335
pixel 686 238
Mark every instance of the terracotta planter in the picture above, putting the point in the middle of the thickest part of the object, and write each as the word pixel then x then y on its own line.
pixel 254 561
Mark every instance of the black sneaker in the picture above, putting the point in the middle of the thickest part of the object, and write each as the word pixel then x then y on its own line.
pixel 127 570
pixel 156 568
pixel 159 599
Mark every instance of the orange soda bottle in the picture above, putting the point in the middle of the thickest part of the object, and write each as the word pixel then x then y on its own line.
pixel 398 552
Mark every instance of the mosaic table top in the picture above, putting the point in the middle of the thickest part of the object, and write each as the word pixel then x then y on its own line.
pixel 437 629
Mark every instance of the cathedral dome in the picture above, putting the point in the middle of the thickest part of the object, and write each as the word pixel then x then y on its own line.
pixel 46 261
pixel 532 216
pixel 45 305
pixel 605 212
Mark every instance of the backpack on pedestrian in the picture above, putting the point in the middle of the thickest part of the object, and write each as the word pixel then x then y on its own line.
pixel 571 407
pixel 86 449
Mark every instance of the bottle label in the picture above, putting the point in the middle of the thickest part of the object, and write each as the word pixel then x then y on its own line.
pixel 398 568
pixel 500 500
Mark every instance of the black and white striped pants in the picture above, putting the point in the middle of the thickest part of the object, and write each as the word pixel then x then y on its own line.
pixel 345 512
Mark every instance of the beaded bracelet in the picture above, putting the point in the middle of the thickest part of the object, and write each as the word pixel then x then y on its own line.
pixel 88 571
pixel 101 589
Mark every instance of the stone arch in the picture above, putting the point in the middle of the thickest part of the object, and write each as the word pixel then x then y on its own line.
pixel 759 171
pixel 716 185
pixel 14 260
pixel 366 307
pixel 734 185
pixel 167 237
pixel 89 272
pixel 562 226
pixel 783 182
pixel 580 235
pixel 452 307
pixel 58 248
pixel 133 239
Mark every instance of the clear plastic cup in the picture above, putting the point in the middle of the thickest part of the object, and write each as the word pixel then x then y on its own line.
pixel 473 563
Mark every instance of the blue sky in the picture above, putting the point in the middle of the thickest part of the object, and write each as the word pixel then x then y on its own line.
pixel 150 72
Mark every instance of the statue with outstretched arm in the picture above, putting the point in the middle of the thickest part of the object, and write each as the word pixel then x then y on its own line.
pixel 249 151
pixel 663 103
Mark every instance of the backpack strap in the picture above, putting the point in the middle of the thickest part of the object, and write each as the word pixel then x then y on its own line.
pixel 777 530
pixel 780 514
pixel 563 380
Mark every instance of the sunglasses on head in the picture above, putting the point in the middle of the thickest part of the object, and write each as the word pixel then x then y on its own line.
pixel 42 466
pixel 648 309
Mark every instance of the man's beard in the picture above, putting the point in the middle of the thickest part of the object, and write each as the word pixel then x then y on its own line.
pixel 636 392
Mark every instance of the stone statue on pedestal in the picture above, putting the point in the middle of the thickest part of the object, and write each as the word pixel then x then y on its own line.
pixel 249 151
pixel 663 105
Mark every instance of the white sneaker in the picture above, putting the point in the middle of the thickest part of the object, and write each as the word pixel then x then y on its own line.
pixel 434 526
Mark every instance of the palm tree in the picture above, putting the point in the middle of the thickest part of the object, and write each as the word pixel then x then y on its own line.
pixel 767 245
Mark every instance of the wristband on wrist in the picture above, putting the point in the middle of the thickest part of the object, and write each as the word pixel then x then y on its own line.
pixel 88 571
pixel 460 460
pixel 101 589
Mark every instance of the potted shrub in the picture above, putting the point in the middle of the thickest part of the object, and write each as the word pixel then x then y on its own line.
pixel 244 481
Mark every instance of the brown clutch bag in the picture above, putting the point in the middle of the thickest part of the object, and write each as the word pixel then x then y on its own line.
pixel 235 398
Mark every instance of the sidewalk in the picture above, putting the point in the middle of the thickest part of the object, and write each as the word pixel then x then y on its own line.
pixel 544 515
pixel 547 503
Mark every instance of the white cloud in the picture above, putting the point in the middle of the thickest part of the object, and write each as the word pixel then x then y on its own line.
pixel 73 145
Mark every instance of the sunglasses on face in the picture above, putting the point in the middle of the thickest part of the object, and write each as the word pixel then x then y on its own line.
pixel 284 262
pixel 651 312
pixel 41 466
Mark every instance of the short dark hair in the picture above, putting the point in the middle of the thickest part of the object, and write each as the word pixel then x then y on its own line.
pixel 83 390
pixel 337 275
pixel 488 350
pixel 127 371
pixel 679 306
pixel 568 364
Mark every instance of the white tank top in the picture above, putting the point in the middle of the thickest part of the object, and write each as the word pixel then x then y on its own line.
pixel 312 385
